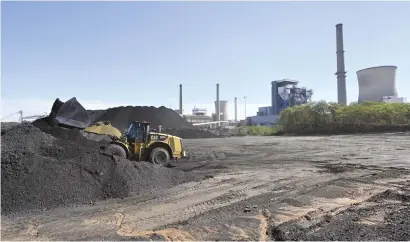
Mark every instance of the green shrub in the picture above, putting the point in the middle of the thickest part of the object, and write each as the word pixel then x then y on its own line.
pixel 322 117
pixel 242 131
pixel 256 130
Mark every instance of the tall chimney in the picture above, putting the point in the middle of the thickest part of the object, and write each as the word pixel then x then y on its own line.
pixel 218 105
pixel 341 72
pixel 236 109
pixel 180 99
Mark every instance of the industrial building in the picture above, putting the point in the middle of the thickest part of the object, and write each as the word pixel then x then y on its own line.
pixel 199 115
pixel 390 99
pixel 284 93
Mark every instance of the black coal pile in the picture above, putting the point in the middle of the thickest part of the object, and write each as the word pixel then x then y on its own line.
pixel 71 134
pixel 190 133
pixel 39 171
pixel 5 126
pixel 120 117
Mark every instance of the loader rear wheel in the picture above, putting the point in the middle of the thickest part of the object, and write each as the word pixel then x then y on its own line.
pixel 117 150
pixel 159 156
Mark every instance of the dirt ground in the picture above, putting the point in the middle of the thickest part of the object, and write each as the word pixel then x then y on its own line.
pixel 257 188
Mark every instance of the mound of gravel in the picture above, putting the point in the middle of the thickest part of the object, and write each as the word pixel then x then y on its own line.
pixel 39 171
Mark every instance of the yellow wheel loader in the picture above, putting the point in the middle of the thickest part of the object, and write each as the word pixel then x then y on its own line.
pixel 140 144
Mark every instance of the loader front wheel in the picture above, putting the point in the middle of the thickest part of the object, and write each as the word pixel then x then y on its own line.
pixel 159 156
pixel 117 150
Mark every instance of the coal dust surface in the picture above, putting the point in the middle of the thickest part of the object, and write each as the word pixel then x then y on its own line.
pixel 40 171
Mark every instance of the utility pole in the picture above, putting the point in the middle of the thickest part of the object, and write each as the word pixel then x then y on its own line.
pixel 236 109
pixel 245 111
pixel 218 106
pixel 180 99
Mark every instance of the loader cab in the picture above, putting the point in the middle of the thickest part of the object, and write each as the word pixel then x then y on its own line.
pixel 138 132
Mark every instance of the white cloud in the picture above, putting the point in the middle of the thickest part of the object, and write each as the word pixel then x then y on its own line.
pixel 39 106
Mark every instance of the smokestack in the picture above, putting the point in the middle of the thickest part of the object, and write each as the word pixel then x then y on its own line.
pixel 236 109
pixel 180 99
pixel 341 72
pixel 218 105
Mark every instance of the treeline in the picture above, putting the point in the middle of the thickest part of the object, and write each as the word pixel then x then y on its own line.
pixel 322 117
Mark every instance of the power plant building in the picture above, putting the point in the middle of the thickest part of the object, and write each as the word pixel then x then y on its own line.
pixel 284 93
pixel 390 99
pixel 199 115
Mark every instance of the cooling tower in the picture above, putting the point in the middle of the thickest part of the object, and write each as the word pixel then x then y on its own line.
pixel 223 105
pixel 376 82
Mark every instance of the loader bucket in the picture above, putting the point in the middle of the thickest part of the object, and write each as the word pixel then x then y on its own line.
pixel 70 113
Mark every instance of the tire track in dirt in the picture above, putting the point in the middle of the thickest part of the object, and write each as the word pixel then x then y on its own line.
pixel 179 206
pixel 181 215
pixel 186 205
pixel 190 208
pixel 281 204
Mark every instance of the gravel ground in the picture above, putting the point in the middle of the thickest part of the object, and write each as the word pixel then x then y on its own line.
pixel 383 217
pixel 257 188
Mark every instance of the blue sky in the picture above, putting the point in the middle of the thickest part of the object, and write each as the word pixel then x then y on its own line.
pixel 137 53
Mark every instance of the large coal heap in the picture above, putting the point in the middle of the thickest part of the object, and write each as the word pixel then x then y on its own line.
pixel 40 171
pixel 120 117
pixel 71 134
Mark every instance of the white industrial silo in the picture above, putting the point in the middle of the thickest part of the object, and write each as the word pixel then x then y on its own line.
pixel 224 109
pixel 377 82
